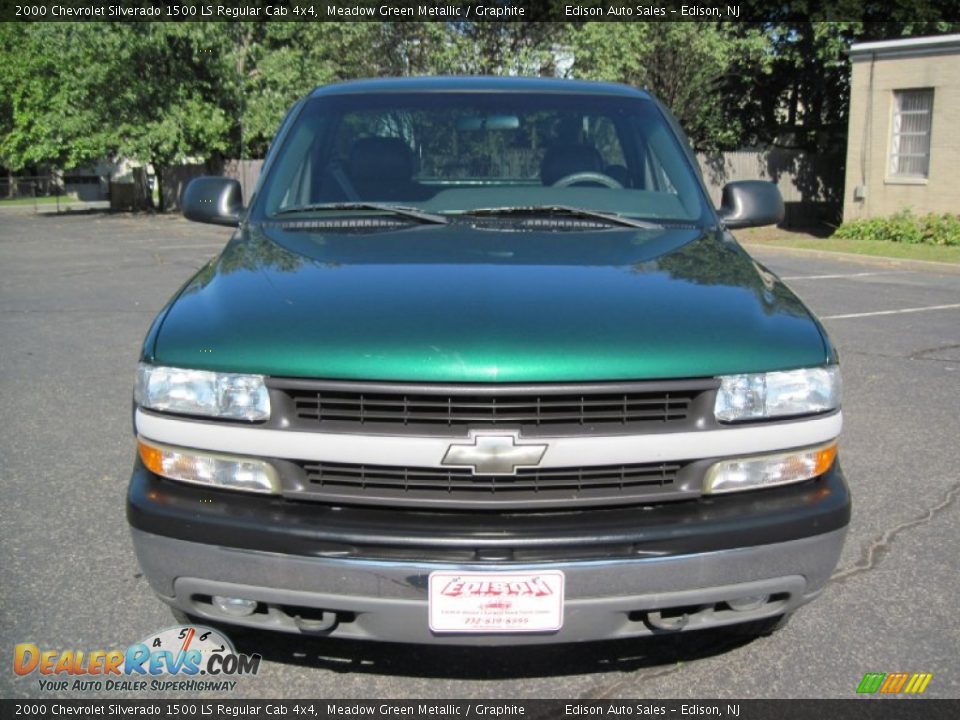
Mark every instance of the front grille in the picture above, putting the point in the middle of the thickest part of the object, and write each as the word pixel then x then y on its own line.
pixel 459 487
pixel 463 407
pixel 472 410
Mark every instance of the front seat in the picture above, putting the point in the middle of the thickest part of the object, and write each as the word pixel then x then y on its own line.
pixel 563 160
pixel 381 168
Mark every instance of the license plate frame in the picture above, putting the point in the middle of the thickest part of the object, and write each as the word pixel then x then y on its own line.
pixel 495 602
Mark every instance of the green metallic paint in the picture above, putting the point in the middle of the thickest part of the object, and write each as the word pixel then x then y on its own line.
pixel 460 303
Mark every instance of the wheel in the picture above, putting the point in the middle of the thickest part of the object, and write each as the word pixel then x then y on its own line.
pixel 588 177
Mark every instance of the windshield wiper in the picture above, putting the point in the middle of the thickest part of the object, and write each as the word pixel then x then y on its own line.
pixel 566 210
pixel 402 211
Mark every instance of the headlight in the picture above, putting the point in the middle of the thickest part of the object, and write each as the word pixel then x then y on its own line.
pixel 778 394
pixel 769 470
pixel 201 392
pixel 211 469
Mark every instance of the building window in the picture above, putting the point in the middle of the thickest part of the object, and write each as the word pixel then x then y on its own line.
pixel 910 139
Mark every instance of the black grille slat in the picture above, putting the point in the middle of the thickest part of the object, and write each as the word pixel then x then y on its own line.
pixel 537 405
pixel 368 416
pixel 654 471
pixel 486 482
pixel 461 410
pixel 384 483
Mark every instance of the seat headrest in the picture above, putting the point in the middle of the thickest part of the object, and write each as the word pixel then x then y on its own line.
pixel 382 158
pixel 564 160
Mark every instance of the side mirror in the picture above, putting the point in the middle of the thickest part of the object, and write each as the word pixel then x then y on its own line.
pixel 751 203
pixel 215 200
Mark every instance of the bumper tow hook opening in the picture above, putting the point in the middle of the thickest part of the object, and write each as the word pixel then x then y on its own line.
pixel 658 622
pixel 672 619
pixel 323 624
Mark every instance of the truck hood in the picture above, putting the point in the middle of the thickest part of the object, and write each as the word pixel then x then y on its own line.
pixel 460 303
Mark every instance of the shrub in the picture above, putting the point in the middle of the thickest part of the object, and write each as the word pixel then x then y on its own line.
pixel 905 227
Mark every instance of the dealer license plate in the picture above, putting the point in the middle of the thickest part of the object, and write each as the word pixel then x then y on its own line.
pixel 496 602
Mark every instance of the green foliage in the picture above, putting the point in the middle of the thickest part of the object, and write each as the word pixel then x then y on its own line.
pixel 278 63
pixel 798 96
pixel 905 227
pixel 50 111
pixel 684 64
pixel 73 93
pixel 500 48
pixel 169 104
pixel 76 93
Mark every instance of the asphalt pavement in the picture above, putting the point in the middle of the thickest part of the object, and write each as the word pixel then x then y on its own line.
pixel 77 293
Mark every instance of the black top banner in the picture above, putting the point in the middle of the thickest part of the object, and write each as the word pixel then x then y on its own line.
pixel 482 11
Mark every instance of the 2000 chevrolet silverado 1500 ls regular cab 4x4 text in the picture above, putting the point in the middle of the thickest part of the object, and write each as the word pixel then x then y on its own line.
pixel 483 364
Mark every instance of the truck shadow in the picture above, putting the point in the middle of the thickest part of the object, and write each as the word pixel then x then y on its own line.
pixel 486 663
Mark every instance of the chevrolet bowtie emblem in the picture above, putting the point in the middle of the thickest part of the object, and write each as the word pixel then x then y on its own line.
pixel 494 454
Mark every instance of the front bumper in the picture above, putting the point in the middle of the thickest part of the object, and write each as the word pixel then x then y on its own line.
pixel 361 573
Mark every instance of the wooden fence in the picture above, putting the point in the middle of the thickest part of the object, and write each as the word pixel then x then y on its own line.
pixel 811 184
pixel 175 178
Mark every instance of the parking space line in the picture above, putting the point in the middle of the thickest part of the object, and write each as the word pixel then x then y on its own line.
pixel 205 246
pixel 890 312
pixel 841 276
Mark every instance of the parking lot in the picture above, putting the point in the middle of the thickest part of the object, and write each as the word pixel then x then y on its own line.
pixel 77 293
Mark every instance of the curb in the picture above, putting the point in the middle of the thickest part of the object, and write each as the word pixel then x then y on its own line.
pixel 66 208
pixel 922 265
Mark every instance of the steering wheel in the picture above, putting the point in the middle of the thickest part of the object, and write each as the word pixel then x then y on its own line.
pixel 588 176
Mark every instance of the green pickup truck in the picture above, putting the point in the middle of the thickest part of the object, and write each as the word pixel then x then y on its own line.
pixel 482 364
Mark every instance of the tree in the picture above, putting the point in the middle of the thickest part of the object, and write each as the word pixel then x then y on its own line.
pixel 799 97
pixel 172 102
pixel 284 61
pixel 163 93
pixel 80 92
pixel 684 64
pixel 53 82
pixel 503 48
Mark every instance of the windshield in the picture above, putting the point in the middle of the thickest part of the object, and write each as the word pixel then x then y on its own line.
pixel 456 153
